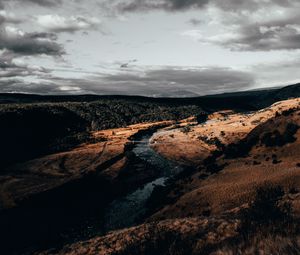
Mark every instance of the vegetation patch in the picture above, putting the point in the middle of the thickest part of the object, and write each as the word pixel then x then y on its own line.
pixel 275 138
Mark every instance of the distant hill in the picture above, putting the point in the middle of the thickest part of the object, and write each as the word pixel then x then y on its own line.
pixel 245 100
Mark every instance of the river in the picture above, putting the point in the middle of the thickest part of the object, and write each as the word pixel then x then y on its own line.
pixel 85 207
pixel 127 210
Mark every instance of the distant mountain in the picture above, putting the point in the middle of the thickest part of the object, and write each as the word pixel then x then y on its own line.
pixel 245 100
pixel 286 92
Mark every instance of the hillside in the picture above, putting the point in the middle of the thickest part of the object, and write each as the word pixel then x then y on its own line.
pixel 31 120
pixel 124 175
pixel 240 197
pixel 233 156
pixel 43 128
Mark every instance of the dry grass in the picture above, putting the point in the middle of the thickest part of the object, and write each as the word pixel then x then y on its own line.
pixel 234 180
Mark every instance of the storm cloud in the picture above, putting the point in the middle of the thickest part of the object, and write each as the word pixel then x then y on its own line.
pixel 144 5
pixel 46 3
pixel 265 38
pixel 23 43
pixel 11 67
pixel 179 5
pixel 254 25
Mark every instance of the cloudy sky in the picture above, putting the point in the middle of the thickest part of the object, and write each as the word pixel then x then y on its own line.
pixel 148 47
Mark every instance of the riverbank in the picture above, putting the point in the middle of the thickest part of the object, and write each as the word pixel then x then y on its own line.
pixel 130 209
pixel 67 203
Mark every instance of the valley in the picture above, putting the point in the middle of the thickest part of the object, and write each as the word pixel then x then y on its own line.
pixel 200 182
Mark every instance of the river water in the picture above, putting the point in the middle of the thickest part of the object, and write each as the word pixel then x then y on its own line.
pixel 125 211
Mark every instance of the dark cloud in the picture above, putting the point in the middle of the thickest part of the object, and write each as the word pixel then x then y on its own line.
pixel 177 5
pixel 22 43
pixel 29 43
pixel 10 69
pixel 169 5
pixel 239 5
pixel 198 81
pixel 19 86
pixel 173 82
pixel 5 65
pixel 196 22
pixel 264 38
pixel 247 34
pixel 46 3
pixel 146 5
pixel 246 28
pixel 250 5
pixel 126 65
pixel 43 35
pixel 15 43
pixel 14 72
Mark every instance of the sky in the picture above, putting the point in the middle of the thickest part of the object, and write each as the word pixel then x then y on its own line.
pixel 160 48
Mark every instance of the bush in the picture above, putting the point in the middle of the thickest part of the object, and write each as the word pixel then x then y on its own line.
pixel 277 139
pixel 201 118
pixel 186 129
pixel 159 240
pixel 266 209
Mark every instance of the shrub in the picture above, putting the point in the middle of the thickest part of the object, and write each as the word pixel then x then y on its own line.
pixel 201 118
pixel 159 240
pixel 277 139
pixel 186 129
pixel 266 209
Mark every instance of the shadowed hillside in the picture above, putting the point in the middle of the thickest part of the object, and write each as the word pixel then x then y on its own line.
pixel 41 128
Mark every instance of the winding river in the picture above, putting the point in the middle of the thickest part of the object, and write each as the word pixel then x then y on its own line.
pixel 82 208
pixel 125 211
